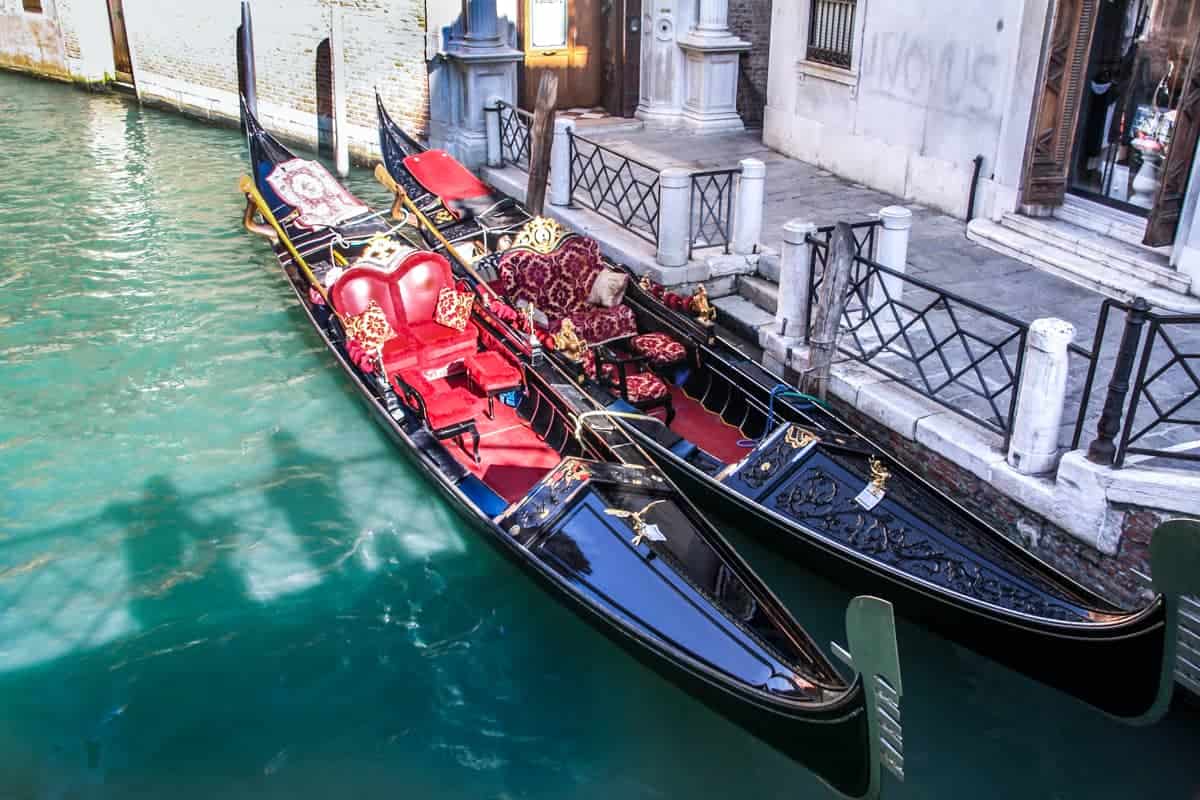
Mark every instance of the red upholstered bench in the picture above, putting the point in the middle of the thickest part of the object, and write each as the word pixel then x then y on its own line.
pixel 658 348
pixel 491 374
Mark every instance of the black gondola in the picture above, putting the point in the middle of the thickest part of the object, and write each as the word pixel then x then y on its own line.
pixel 587 515
pixel 753 453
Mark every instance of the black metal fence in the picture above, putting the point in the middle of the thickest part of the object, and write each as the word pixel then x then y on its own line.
pixel 620 188
pixel 710 209
pixel 831 32
pixel 957 352
pixel 1155 411
pixel 514 134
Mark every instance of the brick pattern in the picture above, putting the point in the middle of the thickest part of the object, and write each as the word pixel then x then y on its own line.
pixel 1111 577
pixel 751 20
pixel 189 44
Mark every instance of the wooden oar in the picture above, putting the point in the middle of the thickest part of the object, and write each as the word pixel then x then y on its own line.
pixel 389 183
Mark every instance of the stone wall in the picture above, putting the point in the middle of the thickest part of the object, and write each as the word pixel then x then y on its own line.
pixel 32 42
pixel 185 56
pixel 924 95
pixel 751 20
pixel 1109 576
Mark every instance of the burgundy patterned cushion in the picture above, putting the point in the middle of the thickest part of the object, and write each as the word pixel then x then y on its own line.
pixel 660 348
pixel 645 386
pixel 557 283
pixel 597 325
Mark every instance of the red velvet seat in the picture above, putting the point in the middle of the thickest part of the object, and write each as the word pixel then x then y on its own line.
pixel 491 371
pixel 408 296
pixel 658 348
pixel 449 413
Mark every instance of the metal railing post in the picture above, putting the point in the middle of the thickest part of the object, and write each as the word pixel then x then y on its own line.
pixel 491 122
pixel 1103 450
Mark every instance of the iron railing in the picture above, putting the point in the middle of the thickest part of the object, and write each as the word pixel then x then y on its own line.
pixel 957 352
pixel 1155 412
pixel 620 188
pixel 710 209
pixel 514 134
pixel 831 32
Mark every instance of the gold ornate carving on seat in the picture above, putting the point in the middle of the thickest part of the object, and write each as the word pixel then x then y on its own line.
pixel 879 475
pixel 541 234
pixel 568 341
pixel 703 310
pixel 644 284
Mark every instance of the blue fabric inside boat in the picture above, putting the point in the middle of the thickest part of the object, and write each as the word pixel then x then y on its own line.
pixel 478 493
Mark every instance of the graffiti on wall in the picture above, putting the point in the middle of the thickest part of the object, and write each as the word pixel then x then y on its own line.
pixel 956 78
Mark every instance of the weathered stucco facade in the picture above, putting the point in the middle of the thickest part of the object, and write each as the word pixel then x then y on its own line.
pixel 32 41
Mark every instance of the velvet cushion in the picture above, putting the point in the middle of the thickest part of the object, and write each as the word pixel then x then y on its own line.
pixel 440 345
pixel 370 328
pixel 400 354
pixel 319 200
pixel 597 325
pixel 491 372
pixel 453 308
pixel 645 386
pixel 659 348
pixel 443 408
pixel 558 282
pixel 608 288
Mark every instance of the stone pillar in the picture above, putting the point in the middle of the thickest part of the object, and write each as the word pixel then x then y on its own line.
pixel 748 206
pixel 711 73
pixel 491 124
pixel 661 86
pixel 337 59
pixel 484 67
pixel 1041 395
pixel 560 162
pixel 795 265
pixel 891 250
pixel 674 185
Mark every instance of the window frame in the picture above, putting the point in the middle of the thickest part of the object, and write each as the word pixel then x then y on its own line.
pixel 38 6
pixel 821 69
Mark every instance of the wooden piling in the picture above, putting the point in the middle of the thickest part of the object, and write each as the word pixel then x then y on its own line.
pixel 831 305
pixel 541 137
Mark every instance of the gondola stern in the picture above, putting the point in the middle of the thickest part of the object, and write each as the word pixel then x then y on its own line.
pixel 873 653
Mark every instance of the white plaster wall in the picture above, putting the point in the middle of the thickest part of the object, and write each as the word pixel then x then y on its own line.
pixel 32 42
pixel 929 90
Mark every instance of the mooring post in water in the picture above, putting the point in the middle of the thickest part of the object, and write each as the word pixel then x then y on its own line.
pixel 831 303
pixel 541 139
pixel 337 58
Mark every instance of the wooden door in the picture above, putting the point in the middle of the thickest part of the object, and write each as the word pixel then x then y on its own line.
pixel 631 57
pixel 1164 217
pixel 122 63
pixel 1052 137
pixel 566 37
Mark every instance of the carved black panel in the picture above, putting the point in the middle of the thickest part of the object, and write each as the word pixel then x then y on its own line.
pixel 821 496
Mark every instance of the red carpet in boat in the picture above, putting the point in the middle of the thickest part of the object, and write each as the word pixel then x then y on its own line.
pixel 705 429
pixel 512 457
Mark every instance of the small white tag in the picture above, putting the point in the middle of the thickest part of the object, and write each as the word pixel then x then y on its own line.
pixel 869 497
pixel 651 532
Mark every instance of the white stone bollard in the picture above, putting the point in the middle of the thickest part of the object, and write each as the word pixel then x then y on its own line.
pixel 560 163
pixel 891 250
pixel 1033 446
pixel 675 194
pixel 491 122
pixel 748 206
pixel 795 264
pixel 337 58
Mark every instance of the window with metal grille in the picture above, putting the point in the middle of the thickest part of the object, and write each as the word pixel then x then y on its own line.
pixel 33 6
pixel 831 32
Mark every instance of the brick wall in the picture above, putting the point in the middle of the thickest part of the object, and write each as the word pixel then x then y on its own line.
pixel 751 20
pixel 184 56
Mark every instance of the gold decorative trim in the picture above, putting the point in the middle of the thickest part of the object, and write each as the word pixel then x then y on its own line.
pixel 879 475
pixel 568 341
pixel 541 234
pixel 703 310
pixel 799 438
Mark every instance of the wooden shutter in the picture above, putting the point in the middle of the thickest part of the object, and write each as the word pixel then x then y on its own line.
pixel 1049 159
pixel 1164 218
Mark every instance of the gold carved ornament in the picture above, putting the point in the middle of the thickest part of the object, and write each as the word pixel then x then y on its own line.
pixel 799 437
pixel 879 475
pixel 568 341
pixel 540 234
pixel 703 310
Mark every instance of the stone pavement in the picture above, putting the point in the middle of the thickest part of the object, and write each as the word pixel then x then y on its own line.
pixel 939 253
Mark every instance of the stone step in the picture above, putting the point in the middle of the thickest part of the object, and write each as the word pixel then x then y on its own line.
pixel 1147 264
pixel 1088 273
pixel 1102 219
pixel 768 266
pixel 741 316
pixel 760 291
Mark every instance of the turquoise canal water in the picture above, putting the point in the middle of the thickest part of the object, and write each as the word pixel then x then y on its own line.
pixel 218 579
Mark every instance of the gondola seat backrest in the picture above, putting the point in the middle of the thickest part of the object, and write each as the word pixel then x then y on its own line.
pixel 417 281
pixel 358 286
